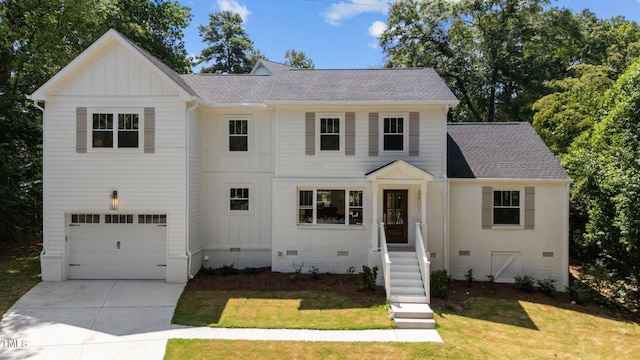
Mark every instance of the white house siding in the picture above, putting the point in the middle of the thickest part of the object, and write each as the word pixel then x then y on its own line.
pixel 195 143
pixel 241 238
pixel 81 182
pixel 479 246
pixel 293 162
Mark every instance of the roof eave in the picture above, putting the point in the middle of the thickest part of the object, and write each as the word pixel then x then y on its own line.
pixel 361 102
pixel 476 179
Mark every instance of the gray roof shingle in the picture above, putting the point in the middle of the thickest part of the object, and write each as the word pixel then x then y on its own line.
pixel 499 151
pixel 297 85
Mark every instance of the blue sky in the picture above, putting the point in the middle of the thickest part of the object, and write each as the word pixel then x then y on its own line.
pixel 336 33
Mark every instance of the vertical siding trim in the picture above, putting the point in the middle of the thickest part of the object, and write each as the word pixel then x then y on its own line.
pixel 310 133
pixel 350 133
pixel 373 134
pixel 487 207
pixel 149 130
pixel 414 134
pixel 529 207
pixel 81 129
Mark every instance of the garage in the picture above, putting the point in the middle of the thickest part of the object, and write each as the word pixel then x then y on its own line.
pixel 117 246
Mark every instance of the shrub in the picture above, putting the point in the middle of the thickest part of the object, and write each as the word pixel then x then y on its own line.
pixel 579 292
pixel 547 286
pixel 440 283
pixel 491 279
pixel 297 271
pixel 524 283
pixel 368 278
pixel 229 270
pixel 469 276
pixel 314 272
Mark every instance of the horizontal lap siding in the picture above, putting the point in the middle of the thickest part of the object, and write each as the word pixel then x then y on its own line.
pixel 293 162
pixel 78 182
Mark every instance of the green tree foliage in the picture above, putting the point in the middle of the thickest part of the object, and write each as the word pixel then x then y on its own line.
pixel 606 167
pixel 563 115
pixel 495 55
pixel 298 59
pixel 229 46
pixel 37 39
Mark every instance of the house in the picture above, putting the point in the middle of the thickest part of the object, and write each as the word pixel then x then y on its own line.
pixel 152 175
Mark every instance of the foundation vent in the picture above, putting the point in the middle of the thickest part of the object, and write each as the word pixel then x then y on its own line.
pixel 464 253
pixel 292 252
pixel 547 254
pixel 343 253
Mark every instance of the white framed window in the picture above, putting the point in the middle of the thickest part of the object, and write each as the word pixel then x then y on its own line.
pixel 152 219
pixel 330 132
pixel 85 218
pixel 239 199
pixel 323 206
pixel 238 135
pixel 118 219
pixel 506 207
pixel 394 132
pixel 115 129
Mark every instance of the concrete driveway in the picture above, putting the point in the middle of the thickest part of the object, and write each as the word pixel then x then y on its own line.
pixel 97 319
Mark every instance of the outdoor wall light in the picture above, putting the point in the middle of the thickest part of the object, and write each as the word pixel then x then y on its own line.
pixel 113 200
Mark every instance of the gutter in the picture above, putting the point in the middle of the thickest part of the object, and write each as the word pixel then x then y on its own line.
pixel 186 217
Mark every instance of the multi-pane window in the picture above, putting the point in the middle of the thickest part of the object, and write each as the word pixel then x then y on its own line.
pixel 124 134
pixel 118 219
pixel 506 207
pixel 393 134
pixel 328 206
pixel 85 219
pixel 152 219
pixel 329 134
pixel 239 199
pixel 238 135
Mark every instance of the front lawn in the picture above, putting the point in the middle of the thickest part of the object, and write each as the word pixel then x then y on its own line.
pixel 17 276
pixel 490 328
pixel 281 309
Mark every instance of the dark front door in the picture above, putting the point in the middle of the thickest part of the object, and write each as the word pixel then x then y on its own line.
pixel 395 213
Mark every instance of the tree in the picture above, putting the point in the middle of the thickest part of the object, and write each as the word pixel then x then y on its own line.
pixel 229 45
pixel 562 116
pixel 298 59
pixel 604 164
pixel 495 55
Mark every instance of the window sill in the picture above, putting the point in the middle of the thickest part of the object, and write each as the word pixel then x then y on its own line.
pixel 507 227
pixel 330 227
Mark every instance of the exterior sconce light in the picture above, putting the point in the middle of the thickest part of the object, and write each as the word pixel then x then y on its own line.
pixel 113 200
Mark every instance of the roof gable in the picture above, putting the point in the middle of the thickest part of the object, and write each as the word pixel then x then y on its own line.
pixel 500 151
pixel 114 66
pixel 399 170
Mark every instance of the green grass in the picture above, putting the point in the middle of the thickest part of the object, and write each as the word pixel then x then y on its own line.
pixel 277 309
pixel 16 278
pixel 490 329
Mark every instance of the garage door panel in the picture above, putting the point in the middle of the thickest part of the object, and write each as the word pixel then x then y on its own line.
pixel 117 251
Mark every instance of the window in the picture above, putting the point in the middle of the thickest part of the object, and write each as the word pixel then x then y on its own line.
pixel 328 206
pixel 239 199
pixel 506 207
pixel 152 219
pixel 118 219
pixel 393 133
pixel 238 135
pixel 122 134
pixel 329 134
pixel 85 219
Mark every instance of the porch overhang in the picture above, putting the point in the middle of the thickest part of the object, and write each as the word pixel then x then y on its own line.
pixel 398 172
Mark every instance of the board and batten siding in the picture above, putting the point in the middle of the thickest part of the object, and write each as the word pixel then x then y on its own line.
pixel 117 72
pixel 146 182
pixel 294 158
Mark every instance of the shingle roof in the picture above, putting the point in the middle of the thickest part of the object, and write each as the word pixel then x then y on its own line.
pixel 499 151
pixel 297 85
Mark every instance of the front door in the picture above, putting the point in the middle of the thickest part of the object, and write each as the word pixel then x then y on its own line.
pixel 395 216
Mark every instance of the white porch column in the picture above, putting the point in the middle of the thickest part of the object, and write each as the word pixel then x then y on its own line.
pixel 423 202
pixel 374 217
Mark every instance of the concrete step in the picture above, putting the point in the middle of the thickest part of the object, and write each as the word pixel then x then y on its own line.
pixel 402 253
pixel 412 275
pixel 417 299
pixel 411 311
pixel 406 282
pixel 404 268
pixel 415 291
pixel 415 324
pixel 404 261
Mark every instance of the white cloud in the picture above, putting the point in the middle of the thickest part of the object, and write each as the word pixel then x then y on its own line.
pixel 345 10
pixel 235 7
pixel 377 28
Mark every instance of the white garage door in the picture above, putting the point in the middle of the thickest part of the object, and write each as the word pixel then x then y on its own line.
pixel 123 246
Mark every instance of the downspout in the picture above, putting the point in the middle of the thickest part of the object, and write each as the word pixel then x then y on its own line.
pixel 45 244
pixel 186 217
pixel 445 199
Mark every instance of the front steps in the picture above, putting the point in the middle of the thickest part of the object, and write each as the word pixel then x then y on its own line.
pixel 408 300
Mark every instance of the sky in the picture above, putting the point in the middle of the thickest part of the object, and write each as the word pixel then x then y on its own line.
pixel 336 34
